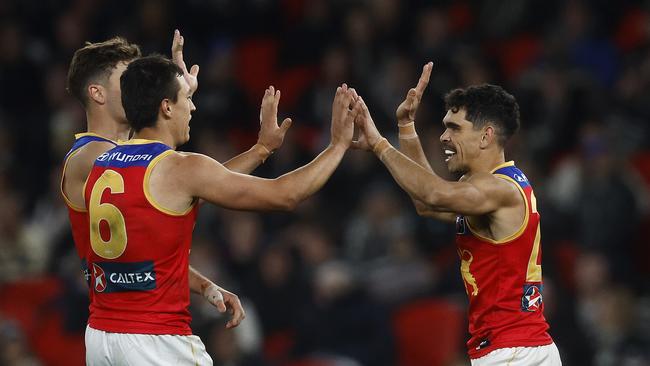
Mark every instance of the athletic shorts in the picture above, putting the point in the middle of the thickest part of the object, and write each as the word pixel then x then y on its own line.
pixel 106 348
pixel 521 356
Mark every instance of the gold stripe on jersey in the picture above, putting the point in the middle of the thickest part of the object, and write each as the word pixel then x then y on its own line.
pixel 141 142
pixel 65 198
pixel 523 224
pixel 147 192
pixel 506 164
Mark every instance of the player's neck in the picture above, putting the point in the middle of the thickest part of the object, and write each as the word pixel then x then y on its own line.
pixel 156 134
pixel 488 162
pixel 104 125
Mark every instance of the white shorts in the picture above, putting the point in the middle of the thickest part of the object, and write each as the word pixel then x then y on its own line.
pixel 521 356
pixel 106 348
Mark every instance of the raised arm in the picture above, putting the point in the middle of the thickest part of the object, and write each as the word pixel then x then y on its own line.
pixel 409 142
pixel 202 177
pixel 482 194
pixel 269 138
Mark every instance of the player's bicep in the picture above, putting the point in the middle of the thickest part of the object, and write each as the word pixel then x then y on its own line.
pixel 473 197
pixel 209 180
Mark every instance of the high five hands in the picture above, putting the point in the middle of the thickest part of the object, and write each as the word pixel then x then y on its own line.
pixel 369 135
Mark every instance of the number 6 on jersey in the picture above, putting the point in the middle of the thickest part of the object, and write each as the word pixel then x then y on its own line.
pixel 98 211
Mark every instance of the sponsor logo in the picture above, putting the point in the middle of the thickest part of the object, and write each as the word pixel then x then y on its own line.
pixel 100 278
pixel 122 277
pixel 520 178
pixel 532 299
pixel 484 343
pixel 118 156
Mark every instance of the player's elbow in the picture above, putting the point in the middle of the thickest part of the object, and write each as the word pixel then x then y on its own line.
pixel 421 208
pixel 288 203
pixel 435 200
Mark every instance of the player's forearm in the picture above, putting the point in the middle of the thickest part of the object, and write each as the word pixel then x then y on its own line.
pixel 249 160
pixel 303 182
pixel 421 184
pixel 198 282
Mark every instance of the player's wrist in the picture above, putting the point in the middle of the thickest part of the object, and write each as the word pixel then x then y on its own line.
pixel 405 121
pixel 407 131
pixel 264 151
pixel 380 147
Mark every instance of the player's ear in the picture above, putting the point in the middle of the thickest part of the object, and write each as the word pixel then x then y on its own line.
pixel 97 93
pixel 489 134
pixel 166 108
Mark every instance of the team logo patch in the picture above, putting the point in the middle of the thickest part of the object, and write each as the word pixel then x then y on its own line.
pixel 460 225
pixel 100 278
pixel 532 299
pixel 122 277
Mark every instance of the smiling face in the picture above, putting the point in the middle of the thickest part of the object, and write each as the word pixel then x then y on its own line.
pixel 461 142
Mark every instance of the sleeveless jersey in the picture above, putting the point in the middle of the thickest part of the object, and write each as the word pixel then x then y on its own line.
pixel 139 251
pixel 79 215
pixel 503 279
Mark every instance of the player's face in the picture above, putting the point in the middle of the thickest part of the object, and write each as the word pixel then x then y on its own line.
pixel 114 98
pixel 183 109
pixel 460 141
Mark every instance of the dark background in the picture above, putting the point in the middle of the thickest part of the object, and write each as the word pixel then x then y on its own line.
pixel 353 276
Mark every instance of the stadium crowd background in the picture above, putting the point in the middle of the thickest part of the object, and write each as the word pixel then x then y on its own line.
pixel 354 276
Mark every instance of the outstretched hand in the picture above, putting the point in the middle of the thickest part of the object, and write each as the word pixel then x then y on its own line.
pixel 191 77
pixel 368 133
pixel 271 135
pixel 406 111
pixel 343 115
pixel 224 301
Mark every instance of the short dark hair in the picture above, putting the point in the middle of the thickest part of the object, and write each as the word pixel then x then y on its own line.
pixel 487 103
pixel 96 61
pixel 145 83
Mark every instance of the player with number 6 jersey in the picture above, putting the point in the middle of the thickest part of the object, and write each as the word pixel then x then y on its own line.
pixel 140 251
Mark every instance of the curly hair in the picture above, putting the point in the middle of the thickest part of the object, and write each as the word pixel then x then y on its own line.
pixel 487 103
pixel 94 63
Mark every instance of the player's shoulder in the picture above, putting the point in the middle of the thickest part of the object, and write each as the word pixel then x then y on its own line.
pixel 82 160
pixel 187 161
pixel 492 184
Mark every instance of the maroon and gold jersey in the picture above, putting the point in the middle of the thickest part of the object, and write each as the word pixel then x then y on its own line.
pixel 79 215
pixel 503 279
pixel 139 251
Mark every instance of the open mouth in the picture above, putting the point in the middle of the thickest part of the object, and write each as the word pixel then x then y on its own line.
pixel 449 154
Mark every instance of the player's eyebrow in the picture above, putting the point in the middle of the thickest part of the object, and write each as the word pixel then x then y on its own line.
pixel 450 124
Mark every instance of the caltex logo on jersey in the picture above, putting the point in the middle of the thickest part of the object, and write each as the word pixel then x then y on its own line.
pixel 532 299
pixel 100 278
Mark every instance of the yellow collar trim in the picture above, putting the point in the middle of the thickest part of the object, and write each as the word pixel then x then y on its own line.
pixel 141 141
pixel 80 135
pixel 507 163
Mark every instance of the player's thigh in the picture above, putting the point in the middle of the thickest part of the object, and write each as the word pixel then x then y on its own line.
pixel 521 356
pixel 104 348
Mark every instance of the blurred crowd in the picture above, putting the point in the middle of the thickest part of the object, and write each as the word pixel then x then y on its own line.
pixel 353 276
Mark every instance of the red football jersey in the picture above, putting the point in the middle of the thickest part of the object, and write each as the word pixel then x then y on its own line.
pixel 503 279
pixel 79 215
pixel 139 251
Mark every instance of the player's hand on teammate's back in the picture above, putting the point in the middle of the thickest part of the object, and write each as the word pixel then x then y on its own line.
pixel 343 114
pixel 271 135
pixel 368 133
pixel 191 77
pixel 406 111
pixel 225 300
